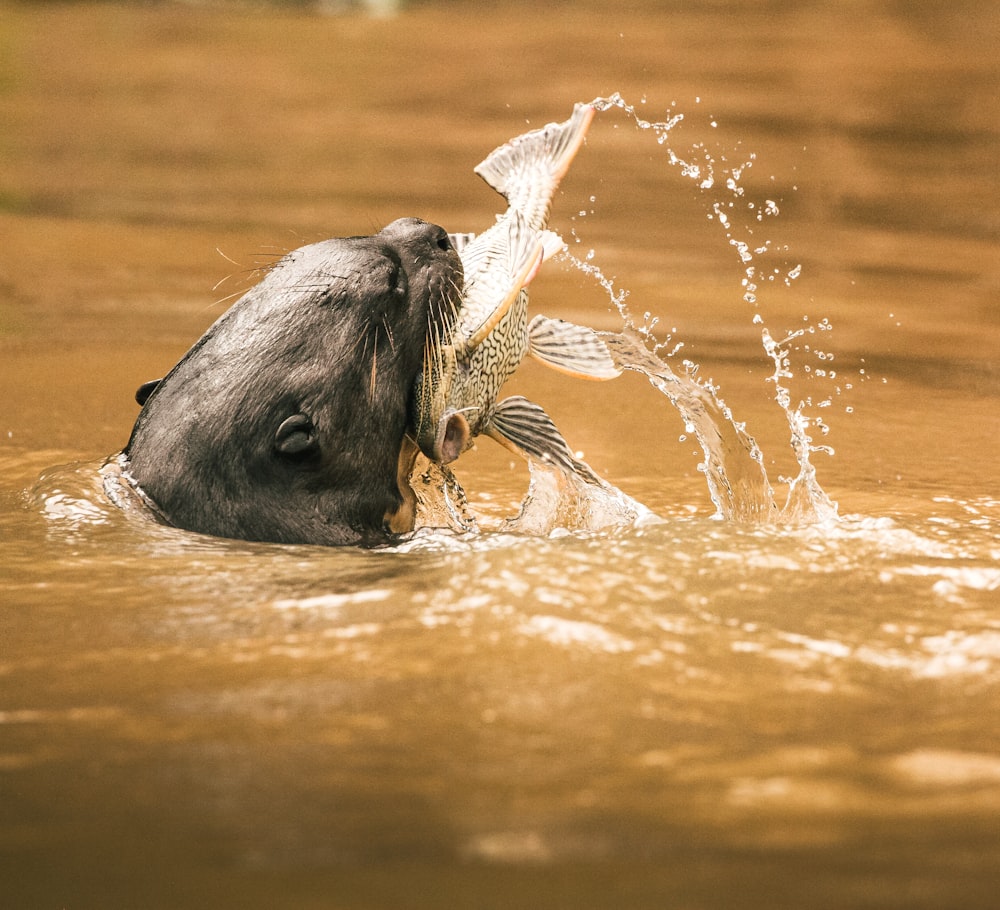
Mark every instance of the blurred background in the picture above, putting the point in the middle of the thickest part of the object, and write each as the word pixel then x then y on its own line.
pixel 155 155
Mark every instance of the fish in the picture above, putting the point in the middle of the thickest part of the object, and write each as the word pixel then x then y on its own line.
pixel 468 360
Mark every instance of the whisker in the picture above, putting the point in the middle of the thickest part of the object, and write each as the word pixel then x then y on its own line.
pixel 227 258
pixel 221 300
pixel 221 281
pixel 361 339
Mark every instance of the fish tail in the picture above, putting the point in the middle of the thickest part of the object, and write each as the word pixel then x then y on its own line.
pixel 528 169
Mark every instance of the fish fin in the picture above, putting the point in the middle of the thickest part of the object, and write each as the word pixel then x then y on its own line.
pixel 491 291
pixel 524 428
pixel 527 170
pixel 552 243
pixel 570 348
pixel 461 241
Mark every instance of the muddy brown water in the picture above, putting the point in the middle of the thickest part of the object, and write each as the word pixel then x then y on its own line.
pixel 692 714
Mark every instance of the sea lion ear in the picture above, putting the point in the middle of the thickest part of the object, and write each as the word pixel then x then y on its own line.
pixel 296 437
pixel 145 390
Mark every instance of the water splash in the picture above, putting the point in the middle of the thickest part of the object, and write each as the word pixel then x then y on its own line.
pixel 733 466
pixel 555 501
pixel 733 463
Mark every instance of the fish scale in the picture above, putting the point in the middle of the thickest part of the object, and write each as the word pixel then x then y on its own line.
pixel 491 365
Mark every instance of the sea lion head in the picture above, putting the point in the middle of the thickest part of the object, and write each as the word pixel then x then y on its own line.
pixel 286 421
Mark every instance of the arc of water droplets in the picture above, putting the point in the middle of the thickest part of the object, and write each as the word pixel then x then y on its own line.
pixel 806 499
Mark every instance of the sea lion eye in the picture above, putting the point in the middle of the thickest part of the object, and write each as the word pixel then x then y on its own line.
pixel 296 437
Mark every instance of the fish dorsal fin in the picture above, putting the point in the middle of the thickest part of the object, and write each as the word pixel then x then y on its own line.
pixel 527 170
pixel 498 264
pixel 570 348
pixel 523 427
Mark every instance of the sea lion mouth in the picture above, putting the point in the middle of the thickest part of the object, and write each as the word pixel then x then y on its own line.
pixel 402 519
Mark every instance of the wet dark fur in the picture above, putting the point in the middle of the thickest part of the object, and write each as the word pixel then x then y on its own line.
pixel 286 421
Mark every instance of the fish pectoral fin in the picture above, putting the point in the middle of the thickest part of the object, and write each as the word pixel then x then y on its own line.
pixel 524 428
pixel 461 241
pixel 570 348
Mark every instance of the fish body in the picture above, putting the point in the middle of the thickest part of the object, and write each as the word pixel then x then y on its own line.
pixel 456 398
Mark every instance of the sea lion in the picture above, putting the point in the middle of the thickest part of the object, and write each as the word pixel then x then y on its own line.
pixel 287 420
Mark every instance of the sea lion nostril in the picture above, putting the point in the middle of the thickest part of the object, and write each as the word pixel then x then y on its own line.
pixel 444 243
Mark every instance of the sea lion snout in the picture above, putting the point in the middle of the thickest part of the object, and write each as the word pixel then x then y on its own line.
pixel 414 233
